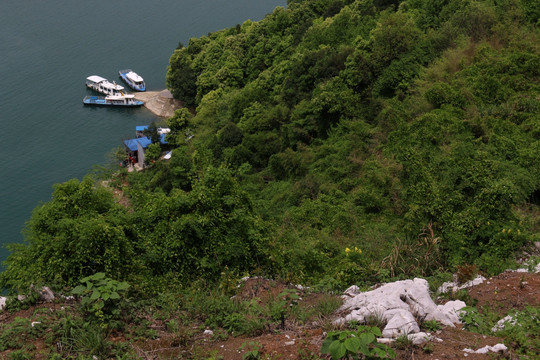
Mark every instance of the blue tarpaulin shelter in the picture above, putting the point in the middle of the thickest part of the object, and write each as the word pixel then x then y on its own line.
pixel 144 141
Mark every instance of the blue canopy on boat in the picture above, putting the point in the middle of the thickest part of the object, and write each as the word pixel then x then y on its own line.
pixel 144 141
pixel 141 128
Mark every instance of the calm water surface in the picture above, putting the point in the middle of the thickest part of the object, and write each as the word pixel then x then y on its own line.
pixel 48 48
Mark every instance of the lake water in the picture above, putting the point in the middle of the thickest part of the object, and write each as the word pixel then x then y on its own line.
pixel 48 48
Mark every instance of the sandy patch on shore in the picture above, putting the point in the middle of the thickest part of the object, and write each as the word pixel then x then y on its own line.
pixel 160 103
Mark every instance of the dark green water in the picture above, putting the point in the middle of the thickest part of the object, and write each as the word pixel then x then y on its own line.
pixel 48 48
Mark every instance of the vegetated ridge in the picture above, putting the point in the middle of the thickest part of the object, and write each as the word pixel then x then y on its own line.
pixel 331 143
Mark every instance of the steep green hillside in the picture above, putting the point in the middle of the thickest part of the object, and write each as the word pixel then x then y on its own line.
pixel 333 142
pixel 363 123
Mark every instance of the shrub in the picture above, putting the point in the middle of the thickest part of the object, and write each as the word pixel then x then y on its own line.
pixel 101 296
pixel 81 231
pixel 152 153
pixel 345 344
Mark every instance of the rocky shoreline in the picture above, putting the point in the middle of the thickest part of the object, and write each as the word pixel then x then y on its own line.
pixel 161 103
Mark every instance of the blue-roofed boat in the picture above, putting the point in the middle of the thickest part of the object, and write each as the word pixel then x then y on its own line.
pixel 133 79
pixel 112 100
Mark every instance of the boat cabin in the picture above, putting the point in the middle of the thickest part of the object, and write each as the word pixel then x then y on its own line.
pixel 135 78
pixel 103 86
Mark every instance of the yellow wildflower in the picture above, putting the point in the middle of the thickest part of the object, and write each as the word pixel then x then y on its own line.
pixel 503 230
pixel 347 251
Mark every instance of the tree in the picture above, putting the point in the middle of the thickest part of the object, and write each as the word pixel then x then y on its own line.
pixel 181 78
pixel 81 231
pixel 394 36
pixel 200 232
pixel 152 133
pixel 152 153
pixel 178 123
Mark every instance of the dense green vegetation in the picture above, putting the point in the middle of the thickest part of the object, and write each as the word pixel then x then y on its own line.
pixel 333 142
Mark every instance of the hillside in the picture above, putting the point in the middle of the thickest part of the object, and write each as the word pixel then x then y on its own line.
pixel 212 326
pixel 334 142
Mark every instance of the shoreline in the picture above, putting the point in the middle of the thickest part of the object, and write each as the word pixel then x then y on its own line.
pixel 160 103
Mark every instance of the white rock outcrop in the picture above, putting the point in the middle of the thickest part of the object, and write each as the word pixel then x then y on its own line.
pixel 501 324
pixel 499 348
pixel 46 294
pixel 454 286
pixel 397 304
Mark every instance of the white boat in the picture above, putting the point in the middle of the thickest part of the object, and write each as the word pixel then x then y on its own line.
pixel 104 86
pixel 134 80
pixel 114 100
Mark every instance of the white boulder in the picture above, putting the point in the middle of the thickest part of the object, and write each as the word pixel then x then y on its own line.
pixel 454 286
pixel 352 291
pixel 449 311
pixel 420 338
pixel 397 304
pixel 46 294
pixel 400 322
pixel 499 348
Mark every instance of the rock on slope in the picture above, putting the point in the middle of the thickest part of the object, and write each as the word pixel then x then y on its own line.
pixel 399 304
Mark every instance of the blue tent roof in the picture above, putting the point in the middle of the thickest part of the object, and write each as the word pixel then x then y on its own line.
pixel 144 141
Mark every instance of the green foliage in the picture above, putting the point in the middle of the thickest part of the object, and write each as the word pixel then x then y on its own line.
pixel 363 342
pixel 178 124
pixel 14 303
pixel 20 355
pixel 200 232
pixel 283 304
pixel 100 296
pixel 406 129
pixel 522 332
pixel 152 153
pixel 252 352
pixel 181 76
pixel 152 133
pixel 81 231
pixel 432 325
pixel 19 333
pixel 474 321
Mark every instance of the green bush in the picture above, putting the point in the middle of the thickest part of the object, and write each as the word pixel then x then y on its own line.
pixel 100 297
pixel 522 332
pixel 81 231
pixel 152 153
pixel 345 344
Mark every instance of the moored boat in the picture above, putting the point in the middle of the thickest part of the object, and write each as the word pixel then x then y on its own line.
pixel 104 86
pixel 113 100
pixel 134 80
